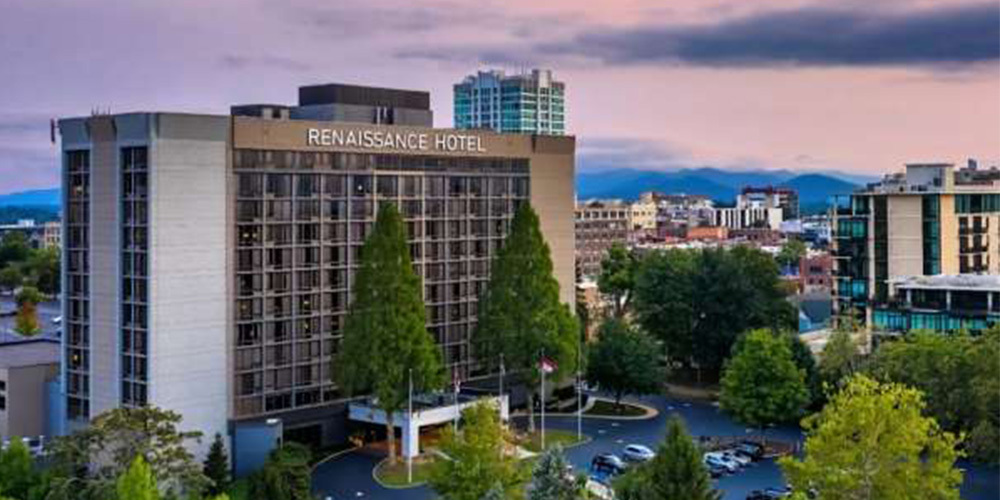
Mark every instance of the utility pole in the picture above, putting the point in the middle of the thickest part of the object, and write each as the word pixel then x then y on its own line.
pixel 409 428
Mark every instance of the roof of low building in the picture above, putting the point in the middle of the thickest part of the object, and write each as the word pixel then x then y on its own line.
pixel 29 353
pixel 986 282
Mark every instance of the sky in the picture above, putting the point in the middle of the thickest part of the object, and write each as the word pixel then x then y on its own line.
pixel 860 87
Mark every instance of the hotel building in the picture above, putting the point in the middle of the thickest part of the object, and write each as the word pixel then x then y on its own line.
pixel 931 220
pixel 527 103
pixel 209 260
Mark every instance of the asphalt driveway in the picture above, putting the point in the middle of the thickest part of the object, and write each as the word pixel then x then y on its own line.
pixel 349 476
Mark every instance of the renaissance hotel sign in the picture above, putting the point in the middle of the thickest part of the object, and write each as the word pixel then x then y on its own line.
pixel 395 141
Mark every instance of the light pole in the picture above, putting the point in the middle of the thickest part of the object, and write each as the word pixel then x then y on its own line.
pixel 579 390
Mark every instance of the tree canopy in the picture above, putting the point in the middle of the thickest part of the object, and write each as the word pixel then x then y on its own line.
pixel 958 375
pixel 624 360
pixel 871 441
pixel 216 467
pixel 520 315
pixel 18 476
pixel 698 302
pixel 476 458
pixel 137 482
pixel 285 476
pixel 385 333
pixel 840 359
pixel 88 462
pixel 677 471
pixel 761 384
pixel 617 279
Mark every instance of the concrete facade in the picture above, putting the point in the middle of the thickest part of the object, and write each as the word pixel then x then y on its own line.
pixel 164 196
pixel 25 369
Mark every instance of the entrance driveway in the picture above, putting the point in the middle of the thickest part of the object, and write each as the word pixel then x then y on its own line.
pixel 350 475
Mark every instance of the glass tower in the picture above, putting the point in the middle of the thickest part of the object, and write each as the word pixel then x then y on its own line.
pixel 527 103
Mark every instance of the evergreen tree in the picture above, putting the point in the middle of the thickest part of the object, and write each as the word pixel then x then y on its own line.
pixel 520 315
pixel 624 360
pixel 676 473
pixel 761 384
pixel 17 471
pixel 217 467
pixel 385 334
pixel 550 479
pixel 872 442
pixel 285 476
pixel 137 483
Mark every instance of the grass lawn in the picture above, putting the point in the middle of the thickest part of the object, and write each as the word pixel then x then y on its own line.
pixel 395 476
pixel 607 409
pixel 552 437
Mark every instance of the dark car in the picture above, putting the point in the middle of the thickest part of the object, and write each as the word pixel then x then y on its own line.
pixel 768 494
pixel 607 463
pixel 751 449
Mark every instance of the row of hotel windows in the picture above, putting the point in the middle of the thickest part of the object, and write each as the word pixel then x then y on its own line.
pixel 335 210
pixel 389 185
pixel 280 234
pixel 266 159
pixel 76 305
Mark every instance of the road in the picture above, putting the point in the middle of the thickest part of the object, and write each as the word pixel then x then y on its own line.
pixel 350 475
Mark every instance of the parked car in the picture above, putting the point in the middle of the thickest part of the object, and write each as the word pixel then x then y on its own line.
pixel 637 453
pixel 726 459
pixel 712 460
pixel 754 450
pixel 736 456
pixel 769 494
pixel 607 463
pixel 716 471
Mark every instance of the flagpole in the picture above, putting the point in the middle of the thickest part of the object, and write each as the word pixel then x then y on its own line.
pixel 409 427
pixel 543 403
pixel 458 414
pixel 502 369
pixel 579 392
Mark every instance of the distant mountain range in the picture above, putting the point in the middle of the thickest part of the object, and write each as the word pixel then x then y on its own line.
pixel 34 198
pixel 721 185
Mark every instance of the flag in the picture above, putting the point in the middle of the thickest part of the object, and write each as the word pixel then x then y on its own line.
pixel 547 365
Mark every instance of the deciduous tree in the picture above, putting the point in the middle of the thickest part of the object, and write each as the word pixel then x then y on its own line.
pixel 476 458
pixel 18 476
pixel 624 360
pixel 699 302
pixel 840 358
pixel 520 315
pixel 385 333
pixel 761 384
pixel 871 441
pixel 617 279
pixel 137 482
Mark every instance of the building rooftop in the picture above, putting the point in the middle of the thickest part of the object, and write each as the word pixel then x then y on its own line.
pixel 29 353
pixel 986 282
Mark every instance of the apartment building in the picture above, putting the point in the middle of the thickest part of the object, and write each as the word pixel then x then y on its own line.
pixel 932 219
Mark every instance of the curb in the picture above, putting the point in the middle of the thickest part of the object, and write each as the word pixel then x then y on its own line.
pixel 415 484
pixel 336 454
pixel 650 413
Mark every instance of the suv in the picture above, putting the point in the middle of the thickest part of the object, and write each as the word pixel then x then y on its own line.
pixel 608 463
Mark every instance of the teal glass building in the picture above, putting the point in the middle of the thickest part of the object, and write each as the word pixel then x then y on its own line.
pixel 525 103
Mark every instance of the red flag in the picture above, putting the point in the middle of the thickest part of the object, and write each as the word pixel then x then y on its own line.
pixel 547 365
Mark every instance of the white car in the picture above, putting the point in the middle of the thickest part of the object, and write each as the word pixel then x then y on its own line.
pixel 739 458
pixel 714 461
pixel 637 453
pixel 730 464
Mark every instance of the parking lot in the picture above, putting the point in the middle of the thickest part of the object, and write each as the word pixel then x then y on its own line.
pixel 350 475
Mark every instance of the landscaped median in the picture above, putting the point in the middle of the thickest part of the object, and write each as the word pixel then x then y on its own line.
pixel 606 408
pixel 395 476
pixel 567 439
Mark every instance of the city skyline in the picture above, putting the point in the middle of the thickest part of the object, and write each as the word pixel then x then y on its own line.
pixel 719 84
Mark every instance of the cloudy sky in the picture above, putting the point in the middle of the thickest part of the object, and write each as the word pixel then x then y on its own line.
pixel 850 85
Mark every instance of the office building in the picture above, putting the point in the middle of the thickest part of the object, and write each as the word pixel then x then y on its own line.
pixel 350 104
pixel 599 225
pixel 786 199
pixel 747 218
pixel 523 103
pixel 26 368
pixel 209 259
pixel 943 303
pixel 51 235
pixel 929 220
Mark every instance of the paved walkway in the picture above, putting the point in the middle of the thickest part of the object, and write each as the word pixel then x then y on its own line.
pixel 350 475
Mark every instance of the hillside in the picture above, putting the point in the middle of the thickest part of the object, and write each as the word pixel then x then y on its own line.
pixel 33 198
